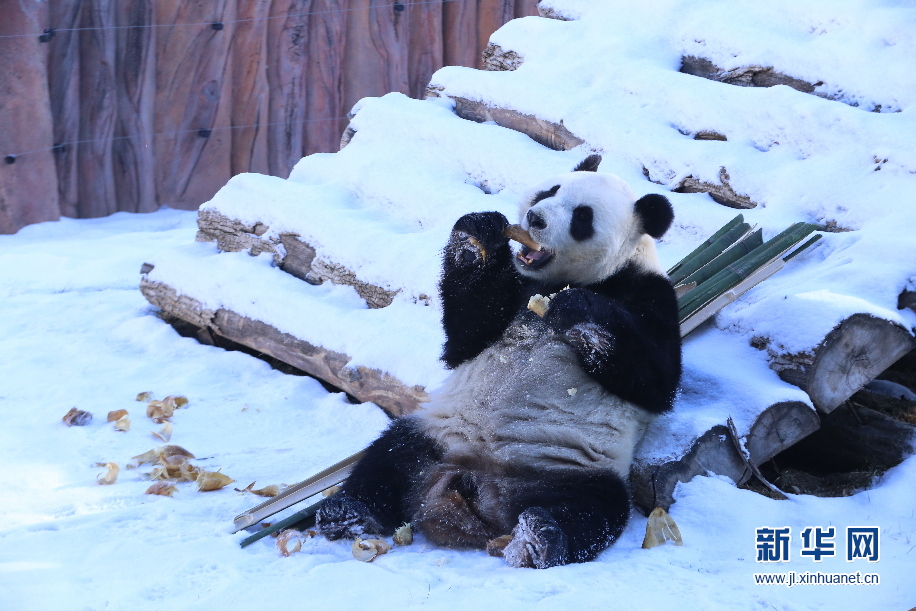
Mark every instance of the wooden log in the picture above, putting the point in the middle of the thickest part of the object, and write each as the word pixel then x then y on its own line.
pixel 193 93
pixel 721 193
pixel 496 59
pixel 745 76
pixel 64 85
pixel 337 369
pixel 250 92
pixel 327 44
pixel 552 135
pixel 98 110
pixel 778 427
pixel 850 356
pixel 135 70
pixel 28 187
pixel 286 74
pixel 296 257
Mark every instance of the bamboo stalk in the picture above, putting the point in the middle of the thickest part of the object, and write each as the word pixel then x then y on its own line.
pixel 736 251
pixel 735 221
pixel 711 252
pixel 742 268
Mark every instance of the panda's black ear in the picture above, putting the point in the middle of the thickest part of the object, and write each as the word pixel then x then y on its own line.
pixel 589 164
pixel 656 214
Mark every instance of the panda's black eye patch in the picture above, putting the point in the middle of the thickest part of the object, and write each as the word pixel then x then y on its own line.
pixel 545 194
pixel 582 227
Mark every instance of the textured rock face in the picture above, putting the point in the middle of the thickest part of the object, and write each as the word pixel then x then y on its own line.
pixel 28 187
pixel 166 115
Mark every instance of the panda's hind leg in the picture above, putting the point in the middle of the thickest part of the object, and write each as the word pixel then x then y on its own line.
pixel 375 498
pixel 566 516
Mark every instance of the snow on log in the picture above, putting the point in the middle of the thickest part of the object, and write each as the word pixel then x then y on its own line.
pixel 364 383
pixel 296 257
pixel 776 428
pixel 551 135
pixel 850 356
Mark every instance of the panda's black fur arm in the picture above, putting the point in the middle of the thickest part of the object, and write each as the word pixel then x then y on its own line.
pixel 375 497
pixel 480 288
pixel 626 333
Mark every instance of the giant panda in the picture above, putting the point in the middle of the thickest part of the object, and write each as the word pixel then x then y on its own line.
pixel 534 431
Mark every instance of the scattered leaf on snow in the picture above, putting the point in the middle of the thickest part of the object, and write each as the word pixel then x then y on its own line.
pixel 116 415
pixel 212 480
pixel 367 550
pixel 77 417
pixel 403 535
pixel 169 451
pixel 176 401
pixel 111 476
pixel 144 396
pixel 272 490
pixel 165 434
pixel 162 489
pixel 122 424
pixel 159 411
pixel 284 540
pixel 661 528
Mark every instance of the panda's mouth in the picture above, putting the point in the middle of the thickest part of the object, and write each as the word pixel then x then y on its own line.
pixel 534 259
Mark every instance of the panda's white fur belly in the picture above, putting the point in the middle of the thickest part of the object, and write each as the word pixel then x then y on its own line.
pixel 526 401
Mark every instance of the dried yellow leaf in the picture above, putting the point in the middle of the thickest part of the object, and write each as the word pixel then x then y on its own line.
pixel 162 489
pixel 148 457
pixel 661 528
pixel 212 480
pixel 145 396
pixel 403 535
pixel 165 434
pixel 367 550
pixel 284 539
pixel 159 411
pixel 76 417
pixel 122 424
pixel 176 401
pixel 272 490
pixel 169 451
pixel 116 414
pixel 111 476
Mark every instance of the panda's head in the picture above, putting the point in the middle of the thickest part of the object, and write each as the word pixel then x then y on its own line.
pixel 590 225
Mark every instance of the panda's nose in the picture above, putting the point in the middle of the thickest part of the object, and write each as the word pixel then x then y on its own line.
pixel 535 220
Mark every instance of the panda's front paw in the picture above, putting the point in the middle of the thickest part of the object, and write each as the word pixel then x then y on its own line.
pixel 342 517
pixel 478 235
pixel 537 541
pixel 570 308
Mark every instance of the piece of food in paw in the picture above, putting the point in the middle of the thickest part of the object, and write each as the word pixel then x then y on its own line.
pixel 539 304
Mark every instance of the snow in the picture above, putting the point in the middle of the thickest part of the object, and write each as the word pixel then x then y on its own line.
pixel 75 330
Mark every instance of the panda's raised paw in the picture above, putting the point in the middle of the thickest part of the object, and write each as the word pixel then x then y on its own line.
pixel 537 541
pixel 486 228
pixel 342 517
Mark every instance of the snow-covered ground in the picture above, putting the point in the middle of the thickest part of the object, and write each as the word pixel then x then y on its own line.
pixel 75 331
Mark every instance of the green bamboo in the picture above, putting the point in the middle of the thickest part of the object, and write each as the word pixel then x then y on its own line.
pixel 710 252
pixel 282 524
pixel 748 244
pixel 741 269
pixel 738 219
pixel 804 246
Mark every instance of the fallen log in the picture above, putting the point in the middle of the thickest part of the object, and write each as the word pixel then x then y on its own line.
pixel 296 256
pixel 496 59
pixel 778 427
pixel 722 193
pixel 849 357
pixel 364 383
pixel 745 76
pixel 551 135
